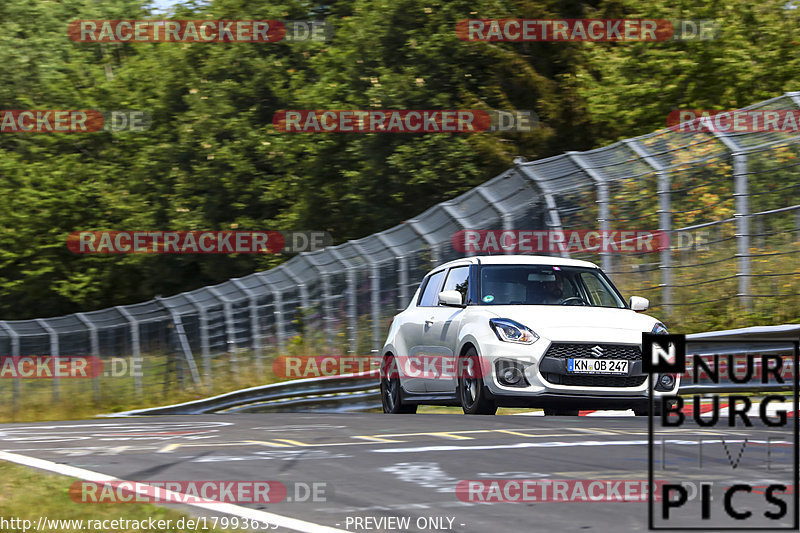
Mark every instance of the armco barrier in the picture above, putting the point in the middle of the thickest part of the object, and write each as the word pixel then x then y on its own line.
pixel 360 392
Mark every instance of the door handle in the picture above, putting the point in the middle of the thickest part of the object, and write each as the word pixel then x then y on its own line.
pixel 429 322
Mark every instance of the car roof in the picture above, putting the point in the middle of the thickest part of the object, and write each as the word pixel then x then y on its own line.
pixel 521 260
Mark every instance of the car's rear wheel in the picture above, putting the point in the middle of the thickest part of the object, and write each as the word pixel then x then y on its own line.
pixel 391 392
pixel 472 391
pixel 560 412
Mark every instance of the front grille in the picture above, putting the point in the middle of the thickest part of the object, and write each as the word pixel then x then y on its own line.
pixel 566 350
pixel 594 380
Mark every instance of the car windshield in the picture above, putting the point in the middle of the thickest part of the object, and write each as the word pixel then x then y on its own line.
pixel 546 285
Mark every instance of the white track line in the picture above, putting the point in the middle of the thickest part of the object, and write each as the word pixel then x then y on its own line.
pixel 219 507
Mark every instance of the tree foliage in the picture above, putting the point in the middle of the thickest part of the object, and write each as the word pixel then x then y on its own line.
pixel 213 160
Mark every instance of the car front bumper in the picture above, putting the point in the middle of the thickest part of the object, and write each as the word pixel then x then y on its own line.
pixel 543 375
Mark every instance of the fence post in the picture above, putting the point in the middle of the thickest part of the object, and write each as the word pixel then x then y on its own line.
pixel 432 245
pixel 252 300
pixel 375 294
pixel 305 304
pixel 277 301
pixel 664 219
pixel 230 330
pixel 742 217
pixel 15 395
pixel 327 310
pixel 54 353
pixel 135 348
pixel 183 342
pixel 550 201
pixel 603 212
pixel 94 343
pixel 402 281
pixel 352 304
pixel 205 348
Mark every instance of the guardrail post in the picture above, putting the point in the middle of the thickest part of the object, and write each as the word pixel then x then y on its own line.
pixel 54 353
pixel 15 395
pixel 94 343
pixel 742 217
pixel 135 348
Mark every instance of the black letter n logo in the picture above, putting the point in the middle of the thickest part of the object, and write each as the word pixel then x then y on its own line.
pixel 665 354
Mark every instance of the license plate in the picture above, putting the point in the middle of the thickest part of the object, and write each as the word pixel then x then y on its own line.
pixel 597 366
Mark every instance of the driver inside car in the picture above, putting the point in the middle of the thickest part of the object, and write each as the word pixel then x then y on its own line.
pixel 553 290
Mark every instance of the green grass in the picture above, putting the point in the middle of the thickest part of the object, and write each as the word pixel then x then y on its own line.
pixel 84 398
pixel 28 494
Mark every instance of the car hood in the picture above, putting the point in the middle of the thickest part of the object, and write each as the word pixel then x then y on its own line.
pixel 578 323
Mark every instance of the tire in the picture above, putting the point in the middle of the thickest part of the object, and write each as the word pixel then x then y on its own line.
pixel 391 390
pixel 560 412
pixel 472 392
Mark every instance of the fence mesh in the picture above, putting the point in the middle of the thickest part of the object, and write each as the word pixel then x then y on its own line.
pixel 729 204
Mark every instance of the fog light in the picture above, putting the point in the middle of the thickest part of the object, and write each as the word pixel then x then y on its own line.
pixel 666 381
pixel 511 376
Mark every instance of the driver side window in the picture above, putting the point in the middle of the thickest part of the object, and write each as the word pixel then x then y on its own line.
pixel 430 294
pixel 458 280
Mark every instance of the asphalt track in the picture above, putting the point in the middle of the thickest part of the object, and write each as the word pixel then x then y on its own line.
pixel 409 465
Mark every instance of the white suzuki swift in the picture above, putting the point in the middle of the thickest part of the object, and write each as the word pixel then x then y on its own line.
pixel 519 331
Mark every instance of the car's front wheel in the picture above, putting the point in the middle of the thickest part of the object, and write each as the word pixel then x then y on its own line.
pixel 471 390
pixel 391 397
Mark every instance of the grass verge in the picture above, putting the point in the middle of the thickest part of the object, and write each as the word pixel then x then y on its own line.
pixel 28 494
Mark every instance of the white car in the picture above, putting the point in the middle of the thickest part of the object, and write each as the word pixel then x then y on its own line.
pixel 519 331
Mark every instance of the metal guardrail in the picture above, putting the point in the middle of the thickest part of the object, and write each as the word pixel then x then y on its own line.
pixel 360 392
pixel 347 392
pixel 737 343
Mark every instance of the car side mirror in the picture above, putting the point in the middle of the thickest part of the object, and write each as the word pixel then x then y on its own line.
pixel 638 303
pixel 451 299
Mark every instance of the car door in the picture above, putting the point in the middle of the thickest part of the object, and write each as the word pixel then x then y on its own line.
pixel 440 335
pixel 411 367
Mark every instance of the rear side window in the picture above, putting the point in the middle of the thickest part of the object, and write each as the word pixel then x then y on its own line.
pixel 458 280
pixel 430 293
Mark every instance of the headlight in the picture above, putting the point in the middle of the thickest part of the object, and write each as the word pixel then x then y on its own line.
pixel 660 329
pixel 509 331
